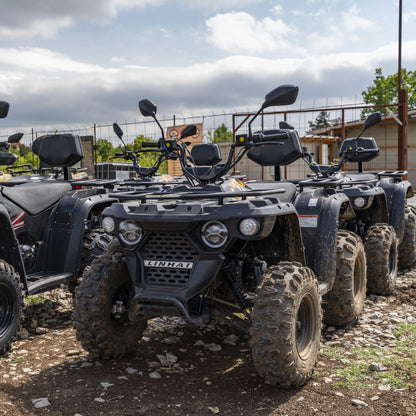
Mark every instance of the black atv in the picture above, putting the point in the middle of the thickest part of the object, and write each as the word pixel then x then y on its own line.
pixel 50 232
pixel 217 250
pixel 382 218
pixel 402 217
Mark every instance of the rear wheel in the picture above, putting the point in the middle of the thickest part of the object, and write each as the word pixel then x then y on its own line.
pixel 101 315
pixel 381 250
pixel 344 304
pixel 286 325
pixel 407 248
pixel 11 306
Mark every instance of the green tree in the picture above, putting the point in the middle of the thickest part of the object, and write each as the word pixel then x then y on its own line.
pixel 385 89
pixel 322 120
pixel 104 150
pixel 221 134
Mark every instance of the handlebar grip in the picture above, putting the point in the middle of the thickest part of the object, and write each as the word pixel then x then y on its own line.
pixel 275 136
pixel 150 144
pixel 119 154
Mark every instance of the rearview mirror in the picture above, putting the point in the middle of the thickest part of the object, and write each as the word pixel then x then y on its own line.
pixel 4 109
pixel 283 95
pixel 372 120
pixel 118 131
pixel 15 138
pixel 189 131
pixel 285 126
pixel 147 108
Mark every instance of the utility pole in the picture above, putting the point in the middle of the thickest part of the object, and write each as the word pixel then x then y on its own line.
pixel 402 100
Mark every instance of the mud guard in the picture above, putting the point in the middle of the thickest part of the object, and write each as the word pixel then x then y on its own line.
pixel 66 229
pixel 9 246
pixel 319 219
pixel 396 194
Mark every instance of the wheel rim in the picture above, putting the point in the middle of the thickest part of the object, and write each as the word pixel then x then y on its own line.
pixel 119 308
pixel 358 278
pixel 305 326
pixel 7 302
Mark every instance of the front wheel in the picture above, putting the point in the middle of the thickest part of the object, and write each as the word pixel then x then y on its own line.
pixel 101 315
pixel 11 306
pixel 286 324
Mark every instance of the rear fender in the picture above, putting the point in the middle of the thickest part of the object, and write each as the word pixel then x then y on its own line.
pixel 396 195
pixel 9 246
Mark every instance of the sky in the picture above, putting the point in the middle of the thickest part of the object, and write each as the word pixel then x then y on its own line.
pixel 76 62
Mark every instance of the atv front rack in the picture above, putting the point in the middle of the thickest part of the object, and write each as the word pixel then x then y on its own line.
pixel 220 196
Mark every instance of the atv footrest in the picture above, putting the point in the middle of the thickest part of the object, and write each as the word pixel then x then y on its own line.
pixel 38 283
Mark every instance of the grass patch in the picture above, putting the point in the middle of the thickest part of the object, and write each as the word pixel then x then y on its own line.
pixel 34 299
pixel 399 362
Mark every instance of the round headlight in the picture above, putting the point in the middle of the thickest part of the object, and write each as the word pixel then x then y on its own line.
pixel 108 224
pixel 249 227
pixel 359 202
pixel 214 234
pixel 129 232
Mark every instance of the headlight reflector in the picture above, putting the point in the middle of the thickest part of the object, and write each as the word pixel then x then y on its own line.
pixel 129 232
pixel 108 224
pixel 249 227
pixel 214 234
pixel 359 202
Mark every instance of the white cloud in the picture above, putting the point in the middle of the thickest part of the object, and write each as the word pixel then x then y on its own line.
pixel 45 88
pixel 277 10
pixel 24 18
pixel 352 21
pixel 43 60
pixel 240 32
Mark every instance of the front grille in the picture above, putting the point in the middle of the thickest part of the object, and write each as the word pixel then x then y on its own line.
pixel 168 247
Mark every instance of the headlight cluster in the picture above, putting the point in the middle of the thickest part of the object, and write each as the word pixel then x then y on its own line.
pixel 108 224
pixel 249 227
pixel 359 202
pixel 129 232
pixel 214 234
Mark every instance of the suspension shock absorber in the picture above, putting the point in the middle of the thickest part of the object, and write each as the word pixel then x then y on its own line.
pixel 230 273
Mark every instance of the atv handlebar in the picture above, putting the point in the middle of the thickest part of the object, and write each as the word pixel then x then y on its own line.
pixel 150 144
pixel 261 137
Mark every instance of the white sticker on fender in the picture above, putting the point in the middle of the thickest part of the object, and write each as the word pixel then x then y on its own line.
pixel 168 264
pixel 313 201
pixel 310 221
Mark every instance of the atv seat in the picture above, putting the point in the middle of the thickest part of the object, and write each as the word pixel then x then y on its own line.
pixel 287 196
pixel 35 197
pixel 59 150
pixel 206 154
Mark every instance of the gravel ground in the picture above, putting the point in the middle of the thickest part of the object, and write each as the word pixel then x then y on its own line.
pixel 180 371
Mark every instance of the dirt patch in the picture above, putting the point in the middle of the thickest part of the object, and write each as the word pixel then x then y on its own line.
pixel 181 371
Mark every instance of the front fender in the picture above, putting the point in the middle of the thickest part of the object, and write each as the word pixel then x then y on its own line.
pixel 9 246
pixel 319 219
pixel 66 230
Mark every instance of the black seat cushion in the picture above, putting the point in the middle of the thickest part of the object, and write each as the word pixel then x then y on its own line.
pixel 36 197
pixel 206 154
